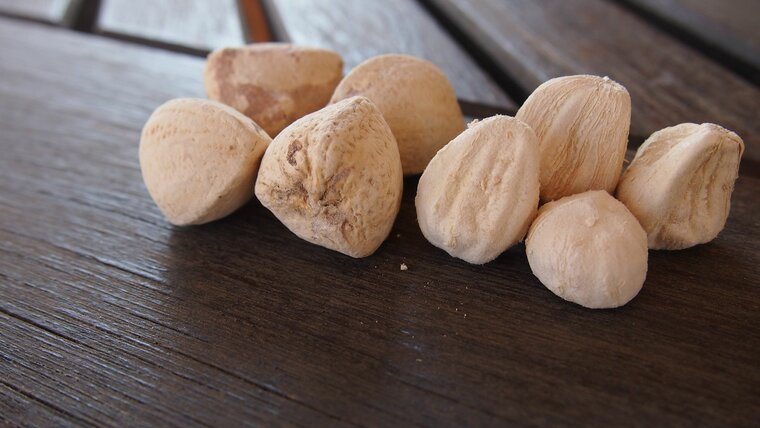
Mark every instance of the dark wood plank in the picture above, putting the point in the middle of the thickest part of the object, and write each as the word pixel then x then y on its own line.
pixel 362 29
pixel 17 405
pixel 669 82
pixel 196 26
pixel 59 12
pixel 731 25
pixel 111 317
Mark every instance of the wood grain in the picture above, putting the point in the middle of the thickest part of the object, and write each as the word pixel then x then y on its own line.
pixel 669 82
pixel 731 25
pixel 362 29
pixel 195 26
pixel 59 12
pixel 111 317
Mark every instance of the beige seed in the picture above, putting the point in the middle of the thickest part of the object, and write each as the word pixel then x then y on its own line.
pixel 334 177
pixel 416 99
pixel 582 126
pixel 679 184
pixel 273 83
pixel 199 159
pixel 479 194
pixel 588 249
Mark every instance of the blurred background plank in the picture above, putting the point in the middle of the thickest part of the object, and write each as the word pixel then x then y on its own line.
pixel 669 82
pixel 194 26
pixel 731 25
pixel 59 12
pixel 362 29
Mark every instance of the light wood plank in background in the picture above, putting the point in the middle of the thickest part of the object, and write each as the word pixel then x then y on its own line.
pixel 732 25
pixel 59 12
pixel 361 29
pixel 195 25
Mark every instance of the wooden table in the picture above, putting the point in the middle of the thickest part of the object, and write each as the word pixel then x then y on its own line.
pixel 111 317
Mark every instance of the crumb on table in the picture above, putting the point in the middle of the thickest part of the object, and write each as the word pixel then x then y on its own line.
pixel 404 266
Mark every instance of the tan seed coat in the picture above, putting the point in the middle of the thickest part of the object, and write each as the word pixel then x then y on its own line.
pixel 479 194
pixel 199 159
pixel 416 99
pixel 679 184
pixel 588 249
pixel 582 125
pixel 273 83
pixel 334 177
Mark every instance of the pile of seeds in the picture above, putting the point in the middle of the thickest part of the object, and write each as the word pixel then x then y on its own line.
pixel 333 174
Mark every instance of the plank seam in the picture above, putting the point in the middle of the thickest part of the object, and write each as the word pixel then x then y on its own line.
pixel 479 55
pixel 84 17
pixel 98 354
pixel 29 395
pixel 51 406
pixel 255 20
pixel 24 18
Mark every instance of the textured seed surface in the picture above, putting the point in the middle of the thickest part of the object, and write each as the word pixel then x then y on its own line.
pixel 479 194
pixel 588 249
pixel 273 83
pixel 679 184
pixel 334 177
pixel 582 125
pixel 416 99
pixel 199 159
